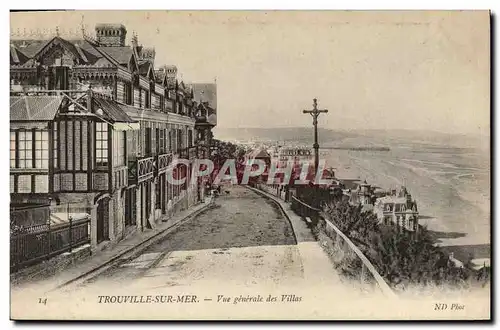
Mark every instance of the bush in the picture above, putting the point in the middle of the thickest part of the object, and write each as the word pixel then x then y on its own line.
pixel 403 258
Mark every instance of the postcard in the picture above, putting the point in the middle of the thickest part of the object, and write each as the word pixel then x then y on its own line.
pixel 250 165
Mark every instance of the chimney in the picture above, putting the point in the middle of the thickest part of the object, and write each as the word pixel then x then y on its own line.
pixel 171 73
pixel 135 42
pixel 111 35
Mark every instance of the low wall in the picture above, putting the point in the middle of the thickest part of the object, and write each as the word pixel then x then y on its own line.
pixel 51 266
pixel 343 253
pixel 348 259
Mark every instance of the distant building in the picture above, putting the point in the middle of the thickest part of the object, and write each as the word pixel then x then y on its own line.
pixel 295 155
pixel 363 194
pixel 205 96
pixel 398 209
pixel 260 154
pixel 250 160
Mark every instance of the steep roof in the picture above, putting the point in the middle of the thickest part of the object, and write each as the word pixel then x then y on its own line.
pixel 120 54
pixel 16 56
pixel 31 108
pixel 144 67
pixel 103 62
pixel 112 110
pixel 205 92
pixel 87 47
pixel 31 48
pixel 160 76
pixel 258 154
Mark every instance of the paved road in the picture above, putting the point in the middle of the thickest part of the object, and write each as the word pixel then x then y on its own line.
pixel 243 240
pixel 215 265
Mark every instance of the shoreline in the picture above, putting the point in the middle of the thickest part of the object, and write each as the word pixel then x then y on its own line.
pixel 445 218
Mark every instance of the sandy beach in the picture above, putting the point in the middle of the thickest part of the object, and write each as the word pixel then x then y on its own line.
pixel 451 186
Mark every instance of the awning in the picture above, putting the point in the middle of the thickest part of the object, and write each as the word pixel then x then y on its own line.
pixel 111 111
pixel 126 126
pixel 34 107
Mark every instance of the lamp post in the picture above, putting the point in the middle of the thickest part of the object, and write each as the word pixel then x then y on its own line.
pixel 315 114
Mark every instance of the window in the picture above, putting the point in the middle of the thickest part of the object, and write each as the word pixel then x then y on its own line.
pixel 128 93
pixel 170 146
pixel 12 149
pixel 25 149
pixel 147 100
pixel 161 140
pixel 141 98
pixel 32 148
pixel 101 144
pixel 41 149
pixel 119 146
pixel 180 144
pixel 190 138
pixel 147 141
pixel 387 220
pixel 55 141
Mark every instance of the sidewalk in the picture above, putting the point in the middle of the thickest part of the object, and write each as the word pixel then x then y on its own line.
pixel 132 244
pixel 316 265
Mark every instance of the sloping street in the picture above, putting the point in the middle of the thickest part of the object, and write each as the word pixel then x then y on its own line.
pixel 244 239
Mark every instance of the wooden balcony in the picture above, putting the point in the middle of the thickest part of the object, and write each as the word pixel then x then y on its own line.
pixel 191 153
pixel 141 169
pixel 163 161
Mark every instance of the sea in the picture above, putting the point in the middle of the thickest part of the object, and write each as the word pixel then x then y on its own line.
pixel 450 183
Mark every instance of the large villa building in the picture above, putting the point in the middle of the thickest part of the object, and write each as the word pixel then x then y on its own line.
pixel 94 125
pixel 398 208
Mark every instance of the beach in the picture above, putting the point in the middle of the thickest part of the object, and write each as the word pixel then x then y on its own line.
pixel 451 185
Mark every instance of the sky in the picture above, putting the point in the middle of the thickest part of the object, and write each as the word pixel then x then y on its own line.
pixel 371 70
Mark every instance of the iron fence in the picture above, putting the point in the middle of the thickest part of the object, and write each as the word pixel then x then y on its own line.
pixel 32 244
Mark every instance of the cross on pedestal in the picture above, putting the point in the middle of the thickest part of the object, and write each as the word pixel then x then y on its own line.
pixel 314 114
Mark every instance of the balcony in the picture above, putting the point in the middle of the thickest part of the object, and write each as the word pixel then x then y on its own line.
pixel 163 161
pixel 205 116
pixel 193 152
pixel 141 169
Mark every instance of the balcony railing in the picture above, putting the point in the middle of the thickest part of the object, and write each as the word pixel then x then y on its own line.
pixel 141 169
pixel 190 153
pixel 163 161
pixel 199 151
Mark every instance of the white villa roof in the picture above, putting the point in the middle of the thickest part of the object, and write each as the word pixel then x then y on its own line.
pixel 392 199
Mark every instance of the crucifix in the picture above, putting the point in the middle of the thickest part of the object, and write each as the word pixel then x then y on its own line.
pixel 314 114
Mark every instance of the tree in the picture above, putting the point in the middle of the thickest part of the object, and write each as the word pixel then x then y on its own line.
pixel 357 224
pixel 401 257
pixel 227 150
